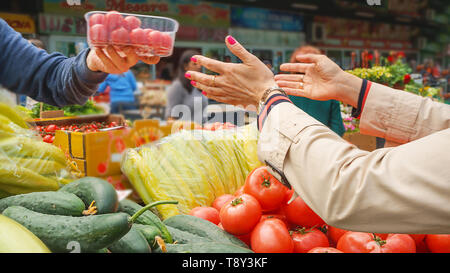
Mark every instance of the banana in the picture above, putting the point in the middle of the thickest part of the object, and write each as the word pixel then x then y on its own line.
pixel 12 114
pixel 27 147
pixel 17 176
pixel 40 166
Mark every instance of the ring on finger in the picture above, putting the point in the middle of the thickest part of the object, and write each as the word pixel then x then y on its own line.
pixel 301 84
pixel 214 81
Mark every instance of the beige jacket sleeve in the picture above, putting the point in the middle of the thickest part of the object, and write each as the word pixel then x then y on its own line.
pixel 404 189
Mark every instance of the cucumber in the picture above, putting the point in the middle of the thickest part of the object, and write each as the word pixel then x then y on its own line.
pixel 204 247
pixel 202 228
pixel 52 202
pixel 133 242
pixel 150 233
pixel 147 218
pixel 88 233
pixel 101 250
pixel 95 189
pixel 184 237
pixel 59 232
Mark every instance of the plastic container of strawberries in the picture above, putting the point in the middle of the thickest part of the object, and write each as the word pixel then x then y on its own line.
pixel 149 35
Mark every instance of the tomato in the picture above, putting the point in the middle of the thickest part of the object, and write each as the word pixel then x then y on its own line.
pixel 222 200
pixel 298 213
pixel 98 34
pixel 120 36
pixel 361 242
pixel 438 243
pixel 325 250
pixel 113 20
pixel 155 39
pixel 262 185
pixel 207 213
pixel 131 22
pixel 47 138
pixel 282 217
pixel 239 191
pixel 241 215
pixel 288 196
pixel 246 238
pixel 51 128
pixel 335 233
pixel 307 239
pixel 138 36
pixel 97 18
pixel 271 236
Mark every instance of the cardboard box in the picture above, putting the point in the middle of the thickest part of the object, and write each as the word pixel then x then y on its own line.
pixel 92 154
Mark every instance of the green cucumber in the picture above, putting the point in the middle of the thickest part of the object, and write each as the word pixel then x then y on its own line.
pixel 95 189
pixel 202 228
pixel 184 237
pixel 147 218
pixel 52 202
pixel 101 250
pixel 150 233
pixel 89 233
pixel 204 247
pixel 133 242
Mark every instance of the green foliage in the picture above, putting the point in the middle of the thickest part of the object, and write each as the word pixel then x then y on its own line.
pixel 89 108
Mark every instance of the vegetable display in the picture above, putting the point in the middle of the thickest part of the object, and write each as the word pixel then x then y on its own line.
pixel 89 108
pixel 192 166
pixel 26 163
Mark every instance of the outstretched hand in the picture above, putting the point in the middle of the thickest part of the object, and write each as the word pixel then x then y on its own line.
pixel 110 60
pixel 241 84
pixel 319 79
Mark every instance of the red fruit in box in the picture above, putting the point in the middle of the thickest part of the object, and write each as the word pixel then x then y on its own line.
pixel 166 41
pixel 120 36
pixel 155 39
pixel 131 22
pixel 113 20
pixel 138 36
pixel 98 34
pixel 96 19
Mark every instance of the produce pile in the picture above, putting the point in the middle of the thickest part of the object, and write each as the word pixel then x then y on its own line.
pixel 259 215
pixel 26 163
pixel 192 166
pixel 89 108
pixel 48 132
pixel 86 216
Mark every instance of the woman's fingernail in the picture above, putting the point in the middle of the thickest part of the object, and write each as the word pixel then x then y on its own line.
pixel 193 83
pixel 194 59
pixel 231 40
pixel 204 93
pixel 187 75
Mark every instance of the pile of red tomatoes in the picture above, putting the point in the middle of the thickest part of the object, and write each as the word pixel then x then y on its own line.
pixel 259 214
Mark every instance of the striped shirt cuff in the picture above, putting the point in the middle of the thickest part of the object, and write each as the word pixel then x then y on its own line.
pixel 270 103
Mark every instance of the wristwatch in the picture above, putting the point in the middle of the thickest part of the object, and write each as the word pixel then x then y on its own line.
pixel 266 94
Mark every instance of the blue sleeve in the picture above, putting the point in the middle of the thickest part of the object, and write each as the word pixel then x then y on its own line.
pixel 102 86
pixel 132 80
pixel 50 78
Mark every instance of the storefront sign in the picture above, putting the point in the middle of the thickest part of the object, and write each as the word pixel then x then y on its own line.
pixel 62 24
pixel 20 22
pixel 186 12
pixel 205 34
pixel 258 18
pixel 258 37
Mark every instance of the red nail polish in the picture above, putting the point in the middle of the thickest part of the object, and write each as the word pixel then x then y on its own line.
pixel 231 40
pixel 194 59
pixel 204 93
pixel 187 75
pixel 193 83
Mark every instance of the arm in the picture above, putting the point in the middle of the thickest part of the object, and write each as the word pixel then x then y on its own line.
pixel 132 80
pixel 50 78
pixel 403 117
pixel 336 122
pixel 102 86
pixel 393 190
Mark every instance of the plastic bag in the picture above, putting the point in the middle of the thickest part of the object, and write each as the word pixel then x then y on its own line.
pixel 192 166
pixel 27 164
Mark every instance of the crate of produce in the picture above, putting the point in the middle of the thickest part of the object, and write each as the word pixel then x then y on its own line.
pixel 92 143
